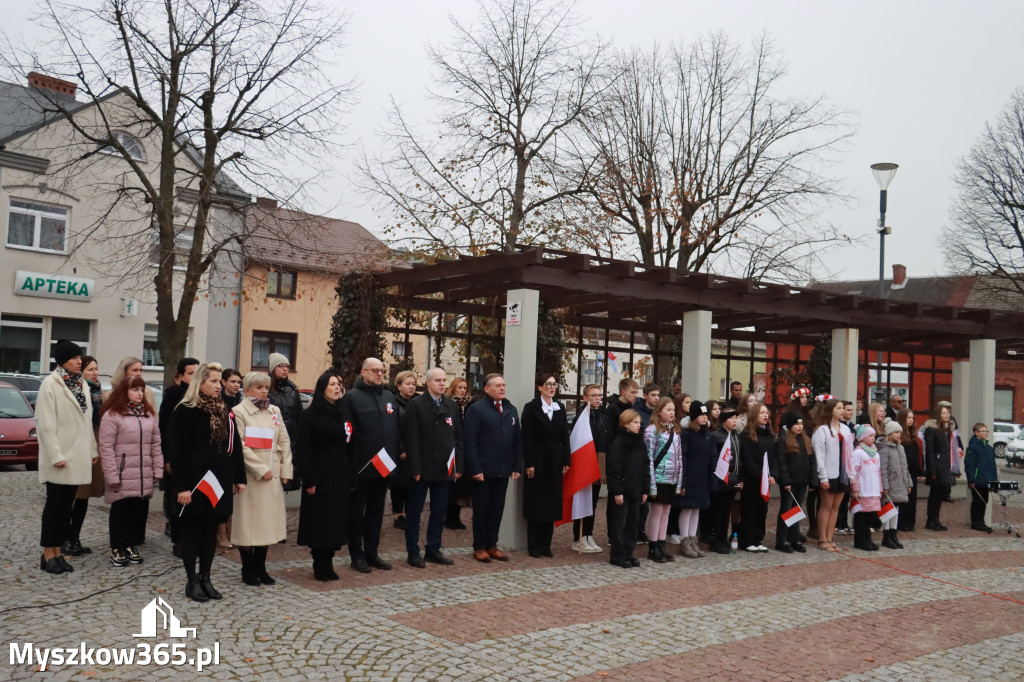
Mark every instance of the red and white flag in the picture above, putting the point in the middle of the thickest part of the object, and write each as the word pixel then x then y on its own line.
pixel 259 438
pixel 764 477
pixel 451 462
pixel 794 515
pixel 855 505
pixel 210 486
pixel 724 458
pixel 887 511
pixel 383 463
pixel 577 494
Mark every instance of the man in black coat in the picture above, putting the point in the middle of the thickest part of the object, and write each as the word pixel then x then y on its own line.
pixel 284 394
pixel 371 417
pixel 432 433
pixel 493 446
pixel 172 396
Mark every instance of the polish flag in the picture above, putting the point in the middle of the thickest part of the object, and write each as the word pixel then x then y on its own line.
pixel 724 458
pixel 210 486
pixel 887 511
pixel 383 463
pixel 794 515
pixel 259 438
pixel 855 505
pixel 764 477
pixel 577 495
pixel 451 462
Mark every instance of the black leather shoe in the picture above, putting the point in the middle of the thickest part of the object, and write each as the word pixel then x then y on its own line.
pixel 194 592
pixel 207 587
pixel 400 522
pixel 721 548
pixel 70 548
pixel 376 562
pixel 799 547
pixel 416 561
pixel 534 553
pixel 634 562
pixel 787 548
pixel 455 524
pixel 50 565
pixel 68 568
pixel 361 566
pixel 621 563
pixel 438 558
pixel 983 529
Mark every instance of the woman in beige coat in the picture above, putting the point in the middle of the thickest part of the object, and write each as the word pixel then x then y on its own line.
pixel 259 516
pixel 67 449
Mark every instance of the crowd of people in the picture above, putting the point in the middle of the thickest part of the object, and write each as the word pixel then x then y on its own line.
pixel 225 448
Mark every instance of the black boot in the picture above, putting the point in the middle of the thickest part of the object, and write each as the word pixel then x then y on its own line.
pixel 889 540
pixel 654 552
pixel 249 576
pixel 208 589
pixel 664 552
pixel 193 590
pixel 896 539
pixel 260 554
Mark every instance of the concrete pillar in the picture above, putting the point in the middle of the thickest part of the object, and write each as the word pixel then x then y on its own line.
pixel 961 392
pixel 981 399
pixel 696 360
pixel 845 347
pixel 519 369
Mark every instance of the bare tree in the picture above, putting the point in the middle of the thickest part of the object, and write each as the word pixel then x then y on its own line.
pixel 985 234
pixel 226 88
pixel 703 166
pixel 488 173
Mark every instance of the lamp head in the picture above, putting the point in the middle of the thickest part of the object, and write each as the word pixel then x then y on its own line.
pixel 884 173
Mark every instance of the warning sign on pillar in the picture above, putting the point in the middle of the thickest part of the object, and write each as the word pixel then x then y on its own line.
pixel 514 314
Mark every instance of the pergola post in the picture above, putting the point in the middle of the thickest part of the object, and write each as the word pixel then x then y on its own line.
pixel 960 395
pixel 981 401
pixel 520 366
pixel 845 350
pixel 696 359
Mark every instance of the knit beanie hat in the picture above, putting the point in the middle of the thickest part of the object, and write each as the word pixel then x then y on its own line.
pixel 697 408
pixel 892 427
pixel 863 431
pixel 277 359
pixel 66 350
pixel 791 419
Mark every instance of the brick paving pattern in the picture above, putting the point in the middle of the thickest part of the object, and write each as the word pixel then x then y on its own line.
pixel 850 615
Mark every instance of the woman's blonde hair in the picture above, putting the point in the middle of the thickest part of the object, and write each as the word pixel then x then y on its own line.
pixel 656 416
pixel 878 426
pixel 402 376
pixel 201 374
pixel 256 379
pixel 122 369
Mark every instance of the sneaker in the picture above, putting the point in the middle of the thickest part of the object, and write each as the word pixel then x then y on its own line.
pixel 133 555
pixel 752 548
pixel 674 540
pixel 762 548
pixel 575 547
pixel 118 558
pixel 591 546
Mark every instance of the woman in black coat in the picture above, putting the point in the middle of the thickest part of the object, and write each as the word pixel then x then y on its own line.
pixel 795 469
pixel 327 476
pixel 699 460
pixel 202 439
pixel 914 449
pixel 756 440
pixel 546 457
pixel 938 467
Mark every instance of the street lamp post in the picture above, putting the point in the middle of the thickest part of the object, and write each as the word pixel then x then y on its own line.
pixel 884 173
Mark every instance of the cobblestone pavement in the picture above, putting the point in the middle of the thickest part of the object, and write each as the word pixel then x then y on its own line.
pixel 950 606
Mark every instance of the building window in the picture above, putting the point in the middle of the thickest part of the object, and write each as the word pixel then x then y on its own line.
pixel 265 343
pixel 21 343
pixel 151 347
pixel 72 330
pixel 1003 405
pixel 398 349
pixel 281 283
pixel 182 246
pixel 130 144
pixel 37 226
pixel 590 373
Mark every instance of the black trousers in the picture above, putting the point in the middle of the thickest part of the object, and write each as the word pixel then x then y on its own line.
pixel 399 493
pixel 78 511
pixel 365 516
pixel 720 514
pixel 128 522
pixel 645 509
pixel 170 505
pixel 56 523
pixel 784 533
pixel 488 508
pixel 538 536
pixel 811 509
pixel 862 528
pixel 197 539
pixel 753 510
pixel 440 492
pixel 937 493
pixel 623 523
pixel 979 501
pixel 673 515
pixel 842 521
pixel 587 522
pixel 908 510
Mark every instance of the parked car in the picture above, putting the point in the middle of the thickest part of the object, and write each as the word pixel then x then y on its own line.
pixel 18 443
pixel 1014 453
pixel 1002 434
pixel 28 384
pixel 306 398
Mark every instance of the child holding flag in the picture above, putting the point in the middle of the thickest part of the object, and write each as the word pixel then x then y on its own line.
pixel 866 485
pixel 628 473
pixel 795 468
pixel 756 443
pixel 896 479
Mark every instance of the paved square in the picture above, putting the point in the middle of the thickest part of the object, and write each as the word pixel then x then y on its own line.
pixel 948 607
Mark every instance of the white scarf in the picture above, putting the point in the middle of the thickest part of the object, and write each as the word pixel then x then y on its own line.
pixel 549 408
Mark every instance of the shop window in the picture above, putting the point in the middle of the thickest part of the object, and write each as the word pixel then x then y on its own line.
pixel 1004 404
pixel 281 284
pixel 265 343
pixel 21 344
pixel 37 226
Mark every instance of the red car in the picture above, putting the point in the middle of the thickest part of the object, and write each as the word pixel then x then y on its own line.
pixel 18 444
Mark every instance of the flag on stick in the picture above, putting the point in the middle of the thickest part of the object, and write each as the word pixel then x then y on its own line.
pixel 577 494
pixel 887 511
pixel 210 486
pixel 855 505
pixel 764 477
pixel 382 462
pixel 794 515
pixel 724 458
pixel 451 462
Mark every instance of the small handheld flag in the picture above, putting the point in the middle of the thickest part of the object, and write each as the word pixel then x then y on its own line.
pixel 855 505
pixel 209 486
pixel 451 462
pixel 887 511
pixel 724 458
pixel 764 477
pixel 382 462
pixel 794 515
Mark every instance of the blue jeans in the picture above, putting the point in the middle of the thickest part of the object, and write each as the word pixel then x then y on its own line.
pixel 439 491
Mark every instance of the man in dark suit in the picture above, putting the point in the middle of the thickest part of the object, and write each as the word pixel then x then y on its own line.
pixel 432 434
pixel 493 447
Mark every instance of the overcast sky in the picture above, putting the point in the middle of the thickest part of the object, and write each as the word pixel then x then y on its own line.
pixel 922 78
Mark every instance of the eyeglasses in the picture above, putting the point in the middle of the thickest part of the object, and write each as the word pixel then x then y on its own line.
pixel 376 370
pixel 550 384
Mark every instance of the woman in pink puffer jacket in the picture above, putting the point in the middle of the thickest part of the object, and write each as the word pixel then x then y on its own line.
pixel 133 463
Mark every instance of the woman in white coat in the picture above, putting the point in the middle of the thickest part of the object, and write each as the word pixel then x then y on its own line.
pixel 67 449
pixel 259 516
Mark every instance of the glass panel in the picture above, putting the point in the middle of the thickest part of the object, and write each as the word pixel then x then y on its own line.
pixel 151 348
pixel 19 349
pixel 42 208
pixel 51 233
pixel 287 285
pixel 272 282
pixel 283 345
pixel 260 350
pixel 20 229
pixel 1004 406
pixel 7 317
pixel 70 329
pixel 13 405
